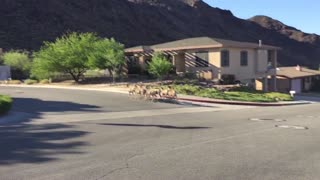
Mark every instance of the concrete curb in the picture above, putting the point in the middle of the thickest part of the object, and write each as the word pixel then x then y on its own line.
pixel 213 101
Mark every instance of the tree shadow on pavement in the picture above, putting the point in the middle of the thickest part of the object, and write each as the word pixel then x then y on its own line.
pixel 37 143
pixel 155 125
pixel 31 109
pixel 24 142
pixel 30 105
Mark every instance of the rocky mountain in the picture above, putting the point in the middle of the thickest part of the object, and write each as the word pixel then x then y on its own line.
pixel 25 24
pixel 286 30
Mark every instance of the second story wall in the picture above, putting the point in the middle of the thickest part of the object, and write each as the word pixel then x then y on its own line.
pixel 242 72
pixel 257 63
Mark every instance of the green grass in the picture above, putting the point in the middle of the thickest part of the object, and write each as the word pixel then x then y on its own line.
pixel 5 104
pixel 234 95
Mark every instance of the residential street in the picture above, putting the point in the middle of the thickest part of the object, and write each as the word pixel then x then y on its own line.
pixel 76 134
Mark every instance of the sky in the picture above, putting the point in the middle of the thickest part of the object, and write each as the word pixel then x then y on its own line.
pixel 301 14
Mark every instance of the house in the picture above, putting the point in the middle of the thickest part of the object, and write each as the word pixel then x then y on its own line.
pixel 212 58
pixel 298 79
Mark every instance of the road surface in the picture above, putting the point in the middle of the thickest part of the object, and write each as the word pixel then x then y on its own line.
pixel 73 134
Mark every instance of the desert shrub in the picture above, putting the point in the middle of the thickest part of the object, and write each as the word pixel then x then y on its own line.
pixel 5 104
pixel 45 81
pixel 30 81
pixel 245 89
pixel 14 82
pixel 243 95
pixel 187 89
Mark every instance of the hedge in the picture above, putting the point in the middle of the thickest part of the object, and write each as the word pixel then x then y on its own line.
pixel 5 104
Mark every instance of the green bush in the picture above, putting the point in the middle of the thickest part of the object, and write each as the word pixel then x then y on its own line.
pixel 5 104
pixel 30 81
pixel 159 66
pixel 20 63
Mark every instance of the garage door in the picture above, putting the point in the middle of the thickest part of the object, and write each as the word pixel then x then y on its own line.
pixel 296 85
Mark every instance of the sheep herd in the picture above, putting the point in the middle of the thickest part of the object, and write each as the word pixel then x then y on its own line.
pixel 152 93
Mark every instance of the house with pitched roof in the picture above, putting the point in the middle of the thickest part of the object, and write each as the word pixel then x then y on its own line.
pixel 298 79
pixel 212 58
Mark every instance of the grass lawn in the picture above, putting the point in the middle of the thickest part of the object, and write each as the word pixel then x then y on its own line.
pixel 234 95
pixel 5 104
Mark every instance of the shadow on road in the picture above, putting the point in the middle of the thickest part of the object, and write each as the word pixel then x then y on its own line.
pixel 34 108
pixel 155 125
pixel 31 105
pixel 36 144
pixel 23 142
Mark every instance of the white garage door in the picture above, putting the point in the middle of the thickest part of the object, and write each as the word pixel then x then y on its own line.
pixel 296 85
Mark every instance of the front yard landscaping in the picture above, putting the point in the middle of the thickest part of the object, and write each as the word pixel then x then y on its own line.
pixel 236 94
pixel 5 104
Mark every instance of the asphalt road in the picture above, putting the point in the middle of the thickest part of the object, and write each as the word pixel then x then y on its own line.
pixel 68 134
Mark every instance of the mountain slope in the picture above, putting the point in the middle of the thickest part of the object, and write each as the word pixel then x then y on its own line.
pixel 26 24
pixel 286 30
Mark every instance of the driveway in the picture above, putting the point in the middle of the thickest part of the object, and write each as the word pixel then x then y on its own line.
pixel 63 138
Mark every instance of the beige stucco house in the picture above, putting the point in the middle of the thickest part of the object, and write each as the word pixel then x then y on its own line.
pixel 212 58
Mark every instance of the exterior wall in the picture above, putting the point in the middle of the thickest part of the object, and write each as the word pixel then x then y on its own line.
pixel 283 84
pixel 242 73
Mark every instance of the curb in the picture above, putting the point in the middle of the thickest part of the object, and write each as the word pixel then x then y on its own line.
pixel 242 103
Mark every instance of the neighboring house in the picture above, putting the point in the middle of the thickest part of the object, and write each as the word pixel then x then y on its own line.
pixel 298 79
pixel 212 58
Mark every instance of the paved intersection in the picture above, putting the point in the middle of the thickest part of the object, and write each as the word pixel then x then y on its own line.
pixel 70 134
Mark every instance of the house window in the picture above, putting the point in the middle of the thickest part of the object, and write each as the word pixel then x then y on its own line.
pixel 202 59
pixel 225 58
pixel 244 58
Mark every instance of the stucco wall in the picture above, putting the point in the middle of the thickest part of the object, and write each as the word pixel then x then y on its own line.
pixel 242 73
